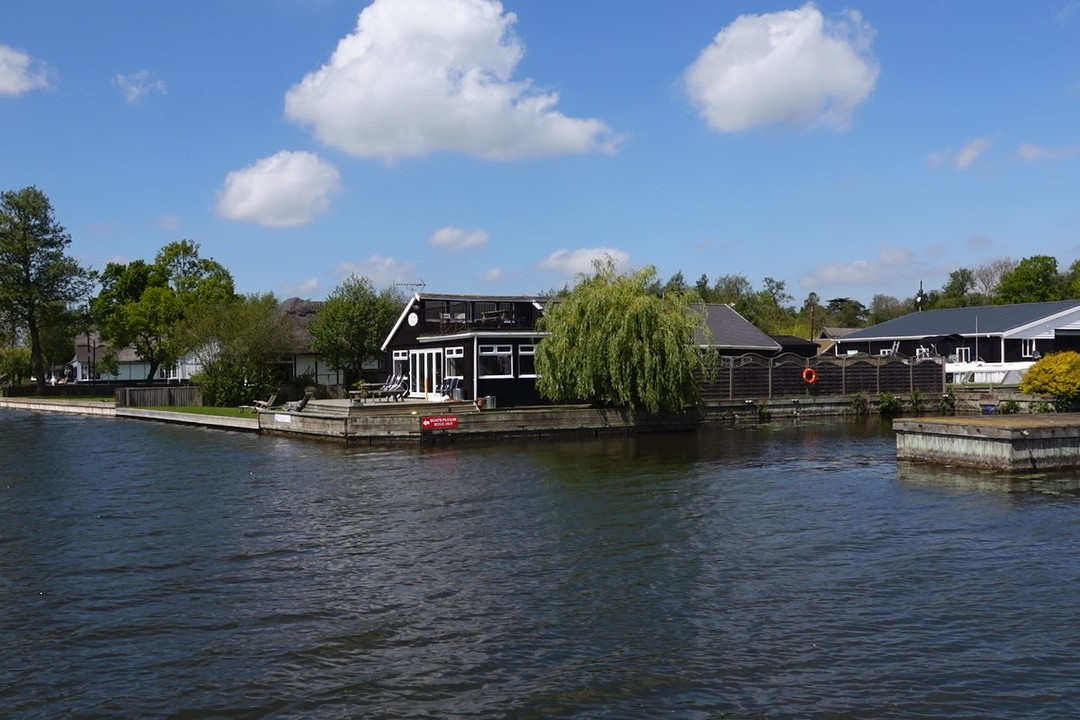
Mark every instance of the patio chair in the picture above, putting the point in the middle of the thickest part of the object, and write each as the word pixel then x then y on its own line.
pixel 447 386
pixel 398 390
pixel 299 406
pixel 265 404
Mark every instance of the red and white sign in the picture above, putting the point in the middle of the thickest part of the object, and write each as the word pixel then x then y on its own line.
pixel 439 422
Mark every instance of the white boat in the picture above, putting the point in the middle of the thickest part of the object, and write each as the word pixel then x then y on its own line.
pixel 986 373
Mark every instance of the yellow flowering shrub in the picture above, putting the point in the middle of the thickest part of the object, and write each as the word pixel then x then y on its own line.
pixel 1057 374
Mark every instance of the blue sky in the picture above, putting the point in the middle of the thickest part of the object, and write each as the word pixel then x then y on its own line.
pixel 848 149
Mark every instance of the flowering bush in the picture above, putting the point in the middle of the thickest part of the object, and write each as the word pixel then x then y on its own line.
pixel 1057 374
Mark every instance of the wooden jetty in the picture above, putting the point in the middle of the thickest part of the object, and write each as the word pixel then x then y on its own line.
pixel 1009 443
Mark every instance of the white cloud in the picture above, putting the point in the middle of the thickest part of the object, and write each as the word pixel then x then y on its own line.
pixel 1034 153
pixel 382 271
pixel 138 85
pixel 963 158
pixel 168 222
pixel 454 238
pixel 891 263
pixel 492 275
pixel 20 73
pixel 575 262
pixel 1065 13
pixel 283 190
pixel 422 76
pixel 301 289
pixel 791 67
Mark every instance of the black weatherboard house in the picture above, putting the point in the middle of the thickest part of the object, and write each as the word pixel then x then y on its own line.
pixel 486 342
pixel 989 333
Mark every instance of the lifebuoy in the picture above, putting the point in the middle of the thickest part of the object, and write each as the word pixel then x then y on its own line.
pixel 809 376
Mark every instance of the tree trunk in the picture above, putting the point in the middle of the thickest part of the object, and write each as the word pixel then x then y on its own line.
pixel 153 371
pixel 36 356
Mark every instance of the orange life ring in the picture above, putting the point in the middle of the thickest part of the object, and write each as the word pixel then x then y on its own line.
pixel 809 376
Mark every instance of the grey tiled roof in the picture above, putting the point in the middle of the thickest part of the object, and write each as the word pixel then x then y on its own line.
pixel 729 329
pixel 993 319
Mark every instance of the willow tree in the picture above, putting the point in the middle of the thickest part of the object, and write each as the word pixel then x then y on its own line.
pixel 613 342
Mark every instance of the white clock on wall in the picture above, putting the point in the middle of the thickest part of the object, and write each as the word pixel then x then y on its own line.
pixel 413 319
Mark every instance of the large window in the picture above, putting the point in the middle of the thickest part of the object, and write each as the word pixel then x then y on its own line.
pixel 1027 348
pixel 526 361
pixel 496 361
pixel 455 362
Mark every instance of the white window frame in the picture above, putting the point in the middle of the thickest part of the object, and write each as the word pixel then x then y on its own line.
pixel 529 350
pixel 400 356
pixel 963 354
pixel 453 353
pixel 1028 347
pixel 496 351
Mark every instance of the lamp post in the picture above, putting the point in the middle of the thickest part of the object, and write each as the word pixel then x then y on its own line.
pixel 920 298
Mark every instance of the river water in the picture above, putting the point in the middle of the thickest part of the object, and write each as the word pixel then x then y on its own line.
pixel 152 571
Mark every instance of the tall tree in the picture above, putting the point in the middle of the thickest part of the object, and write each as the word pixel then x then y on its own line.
pixel 350 327
pixel 988 277
pixel 1034 279
pixel 145 305
pixel 614 342
pixel 238 343
pixel 36 273
pixel 959 290
pixel 847 312
pixel 887 307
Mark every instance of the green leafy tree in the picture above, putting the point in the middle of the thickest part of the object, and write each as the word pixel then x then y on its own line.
pixel 350 328
pixel 15 364
pixel 612 342
pixel 887 307
pixel 36 273
pixel 959 291
pixel 238 343
pixel 1034 279
pixel 146 305
pixel 846 312
pixel 1056 374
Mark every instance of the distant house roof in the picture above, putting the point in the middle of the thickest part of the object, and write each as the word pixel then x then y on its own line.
pixel 1024 319
pixel 299 313
pixel 482 298
pixel 727 329
pixel 832 333
pixel 796 344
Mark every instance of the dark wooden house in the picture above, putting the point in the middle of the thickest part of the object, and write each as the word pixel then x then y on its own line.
pixel 990 333
pixel 487 342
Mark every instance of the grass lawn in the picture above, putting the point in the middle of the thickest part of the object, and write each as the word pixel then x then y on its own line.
pixel 218 411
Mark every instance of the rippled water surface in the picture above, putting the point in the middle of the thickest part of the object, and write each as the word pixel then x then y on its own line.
pixel 152 571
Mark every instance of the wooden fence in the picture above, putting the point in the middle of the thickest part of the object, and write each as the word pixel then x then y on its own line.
pixel 158 396
pixel 758 377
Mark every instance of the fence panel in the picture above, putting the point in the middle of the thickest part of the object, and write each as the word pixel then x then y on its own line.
pixel 158 396
pixel 788 376
pixel 751 377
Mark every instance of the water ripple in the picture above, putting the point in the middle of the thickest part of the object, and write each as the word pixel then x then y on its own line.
pixel 783 572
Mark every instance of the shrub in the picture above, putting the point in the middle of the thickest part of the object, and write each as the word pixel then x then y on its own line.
pixel 860 405
pixel 1008 407
pixel 1041 406
pixel 947 404
pixel 889 404
pixel 1057 374
pixel 917 404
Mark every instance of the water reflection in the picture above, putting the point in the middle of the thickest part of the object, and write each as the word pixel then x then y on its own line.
pixel 962 479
